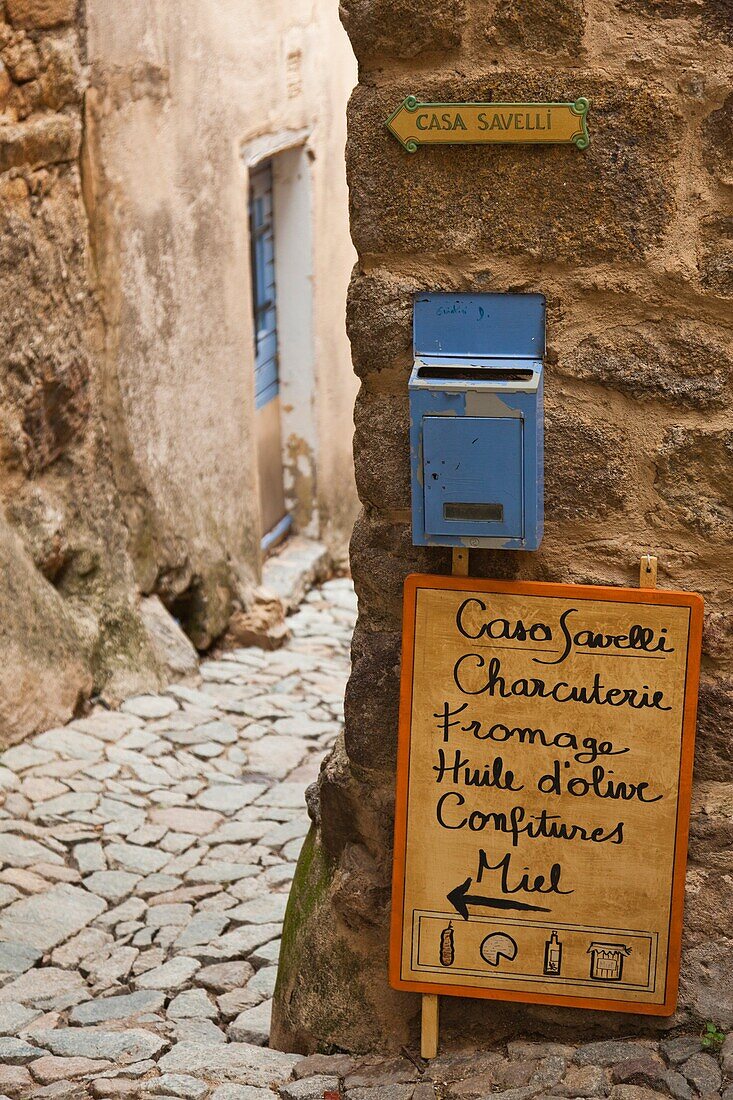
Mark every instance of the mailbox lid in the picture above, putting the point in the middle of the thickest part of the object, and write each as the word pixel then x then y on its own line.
pixel 493 326
pixel 473 476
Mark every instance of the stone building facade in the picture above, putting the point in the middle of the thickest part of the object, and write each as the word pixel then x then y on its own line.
pixel 631 242
pixel 128 443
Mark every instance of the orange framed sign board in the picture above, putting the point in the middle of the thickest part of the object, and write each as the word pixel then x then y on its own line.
pixel 543 791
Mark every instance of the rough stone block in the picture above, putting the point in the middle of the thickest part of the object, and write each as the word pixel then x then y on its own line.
pixel 587 463
pixel 715 261
pixel 382 450
pixel 674 361
pixel 240 1062
pixel 680 1048
pixel 40 14
pixel 61 81
pixel 400 28
pixel 171 648
pixel 123 1007
pixel 17 958
pixel 610 1052
pixel 517 199
pixel 15 1081
pixel 711 826
pixel 52 139
pixel 17 1052
pixel 241 1092
pixel 547 26
pixel 677 1085
pixel 582 1081
pixel 252 1025
pixel 704 19
pixel 372 699
pixel 379 322
pixel 48 988
pixel 44 920
pixel 695 480
pixel 383 1092
pixel 180 1085
pixel 50 1069
pixel 330 1065
pixel 22 60
pixel 131 1045
pixel 703 1073
pixel 706 977
pixel 717 142
pixel 648 1070
pixel 43 672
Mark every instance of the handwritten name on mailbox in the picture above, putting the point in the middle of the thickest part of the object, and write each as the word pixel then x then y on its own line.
pixel 543 791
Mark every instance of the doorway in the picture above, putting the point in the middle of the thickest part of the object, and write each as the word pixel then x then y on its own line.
pixel 275 520
pixel 281 242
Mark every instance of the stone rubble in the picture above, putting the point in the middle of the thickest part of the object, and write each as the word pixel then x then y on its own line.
pixel 145 861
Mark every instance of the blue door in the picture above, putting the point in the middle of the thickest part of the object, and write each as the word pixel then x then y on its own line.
pixel 275 521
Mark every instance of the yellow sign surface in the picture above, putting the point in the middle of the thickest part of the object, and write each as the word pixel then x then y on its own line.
pixel 415 123
pixel 544 774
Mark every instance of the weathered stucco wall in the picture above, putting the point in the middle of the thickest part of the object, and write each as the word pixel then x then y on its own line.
pixel 183 99
pixel 631 243
pixel 126 385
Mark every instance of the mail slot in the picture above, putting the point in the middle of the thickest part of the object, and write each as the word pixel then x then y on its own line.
pixel 476 420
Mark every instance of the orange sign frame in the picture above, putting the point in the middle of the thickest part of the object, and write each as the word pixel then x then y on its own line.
pixel 401 926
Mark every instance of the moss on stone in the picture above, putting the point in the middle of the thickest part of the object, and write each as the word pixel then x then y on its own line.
pixel 123 662
pixel 310 883
pixel 331 965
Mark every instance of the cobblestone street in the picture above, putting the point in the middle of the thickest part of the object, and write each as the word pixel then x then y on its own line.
pixel 146 858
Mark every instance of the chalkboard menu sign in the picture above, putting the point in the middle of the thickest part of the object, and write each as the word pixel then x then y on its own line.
pixel 543 791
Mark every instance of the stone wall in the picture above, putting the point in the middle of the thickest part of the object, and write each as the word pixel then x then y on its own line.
pixel 68 603
pixel 630 242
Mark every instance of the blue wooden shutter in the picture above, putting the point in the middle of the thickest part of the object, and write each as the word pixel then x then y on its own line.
pixel 264 302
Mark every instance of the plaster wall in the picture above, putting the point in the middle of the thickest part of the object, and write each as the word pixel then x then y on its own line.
pixel 182 99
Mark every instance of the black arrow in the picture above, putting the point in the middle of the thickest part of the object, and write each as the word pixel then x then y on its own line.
pixel 460 899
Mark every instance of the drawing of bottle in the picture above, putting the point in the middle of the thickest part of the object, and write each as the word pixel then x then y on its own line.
pixel 447 949
pixel 553 954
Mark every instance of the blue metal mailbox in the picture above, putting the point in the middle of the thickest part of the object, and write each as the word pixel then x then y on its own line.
pixel 476 420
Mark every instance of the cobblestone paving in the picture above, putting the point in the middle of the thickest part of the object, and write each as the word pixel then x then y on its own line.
pixel 145 860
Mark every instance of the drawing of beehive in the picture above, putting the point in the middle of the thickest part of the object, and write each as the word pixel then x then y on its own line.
pixel 607 961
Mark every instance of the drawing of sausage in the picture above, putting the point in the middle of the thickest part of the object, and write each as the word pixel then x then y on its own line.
pixel 447 950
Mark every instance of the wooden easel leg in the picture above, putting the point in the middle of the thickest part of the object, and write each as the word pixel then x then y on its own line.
pixel 648 571
pixel 430 1024
pixel 430 1020
pixel 459 563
